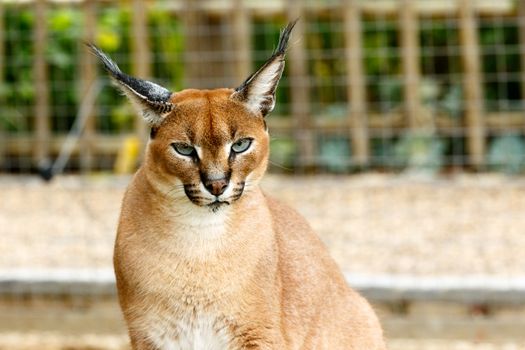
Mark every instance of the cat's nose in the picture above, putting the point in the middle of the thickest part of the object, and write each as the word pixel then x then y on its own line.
pixel 216 187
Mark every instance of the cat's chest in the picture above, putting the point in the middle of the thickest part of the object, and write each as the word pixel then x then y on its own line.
pixel 199 331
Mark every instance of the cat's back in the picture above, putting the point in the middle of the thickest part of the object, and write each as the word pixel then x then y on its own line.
pixel 315 292
pixel 302 255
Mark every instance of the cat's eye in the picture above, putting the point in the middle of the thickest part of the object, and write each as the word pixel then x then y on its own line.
pixel 183 149
pixel 242 145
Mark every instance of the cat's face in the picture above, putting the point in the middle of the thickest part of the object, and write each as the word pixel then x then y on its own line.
pixel 209 149
pixel 207 146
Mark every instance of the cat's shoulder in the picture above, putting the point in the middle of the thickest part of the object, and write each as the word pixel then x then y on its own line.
pixel 282 213
pixel 303 255
pixel 291 228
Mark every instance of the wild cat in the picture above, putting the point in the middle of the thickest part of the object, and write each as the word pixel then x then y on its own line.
pixel 203 258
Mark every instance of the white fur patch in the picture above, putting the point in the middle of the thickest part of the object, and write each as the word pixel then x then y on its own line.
pixel 151 117
pixel 227 148
pixel 198 149
pixel 262 87
pixel 201 333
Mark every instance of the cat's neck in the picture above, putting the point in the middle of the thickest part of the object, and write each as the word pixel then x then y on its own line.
pixel 168 203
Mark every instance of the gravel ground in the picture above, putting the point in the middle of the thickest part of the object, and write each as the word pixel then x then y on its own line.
pixel 38 341
pixel 465 225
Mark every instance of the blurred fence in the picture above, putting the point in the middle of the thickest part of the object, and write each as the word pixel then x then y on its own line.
pixel 389 84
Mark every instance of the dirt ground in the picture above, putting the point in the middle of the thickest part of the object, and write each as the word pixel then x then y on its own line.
pixel 97 342
pixel 372 224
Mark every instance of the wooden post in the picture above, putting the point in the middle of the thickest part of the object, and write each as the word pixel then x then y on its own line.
pixel 2 42
pixel 205 66
pixel 190 20
pixel 241 40
pixel 410 57
pixel 355 77
pixel 88 77
pixel 3 142
pixel 299 89
pixel 521 26
pixel 472 83
pixel 42 110
pixel 141 55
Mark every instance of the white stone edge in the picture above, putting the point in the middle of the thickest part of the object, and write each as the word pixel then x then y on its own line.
pixel 377 287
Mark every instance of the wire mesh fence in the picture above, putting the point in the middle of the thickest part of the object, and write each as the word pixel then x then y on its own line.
pixel 418 85
pixel 391 84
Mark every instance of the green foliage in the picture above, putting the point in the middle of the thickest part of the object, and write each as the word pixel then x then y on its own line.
pixel 122 116
pixel 265 36
pixel 452 101
pixel 167 48
pixel 112 36
pixel 440 91
pixel 423 152
pixel 441 88
pixel 336 110
pixel 63 51
pixel 507 154
pixel 112 30
pixel 382 64
pixel 389 93
pixel 65 34
pixel 382 152
pixel 17 91
pixel 326 68
pixel 334 154
pixel 381 47
pixel 498 38
pixel 283 152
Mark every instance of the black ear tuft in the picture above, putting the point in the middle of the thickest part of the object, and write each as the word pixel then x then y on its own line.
pixel 284 38
pixel 151 100
pixel 257 92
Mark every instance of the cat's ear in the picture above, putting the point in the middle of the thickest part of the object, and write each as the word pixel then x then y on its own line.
pixel 150 100
pixel 258 91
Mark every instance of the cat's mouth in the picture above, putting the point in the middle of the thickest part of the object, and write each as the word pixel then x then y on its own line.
pixel 197 197
pixel 217 204
pixel 213 204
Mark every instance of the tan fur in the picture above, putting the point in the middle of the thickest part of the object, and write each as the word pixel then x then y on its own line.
pixel 203 259
pixel 252 271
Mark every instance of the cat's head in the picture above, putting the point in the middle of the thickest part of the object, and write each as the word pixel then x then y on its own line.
pixel 206 146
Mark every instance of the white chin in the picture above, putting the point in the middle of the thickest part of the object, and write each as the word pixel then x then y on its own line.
pixel 215 206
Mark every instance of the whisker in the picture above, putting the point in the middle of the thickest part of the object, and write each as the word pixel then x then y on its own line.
pixel 175 190
pixel 197 197
pixel 279 165
pixel 192 191
pixel 248 186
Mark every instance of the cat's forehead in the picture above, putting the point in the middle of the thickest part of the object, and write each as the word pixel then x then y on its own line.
pixel 210 117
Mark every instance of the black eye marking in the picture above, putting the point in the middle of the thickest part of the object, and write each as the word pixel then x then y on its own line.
pixel 152 133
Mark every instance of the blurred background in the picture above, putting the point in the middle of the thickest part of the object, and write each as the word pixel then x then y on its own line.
pixel 398 132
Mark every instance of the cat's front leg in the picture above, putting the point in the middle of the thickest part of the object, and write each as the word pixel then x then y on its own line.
pixel 140 341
